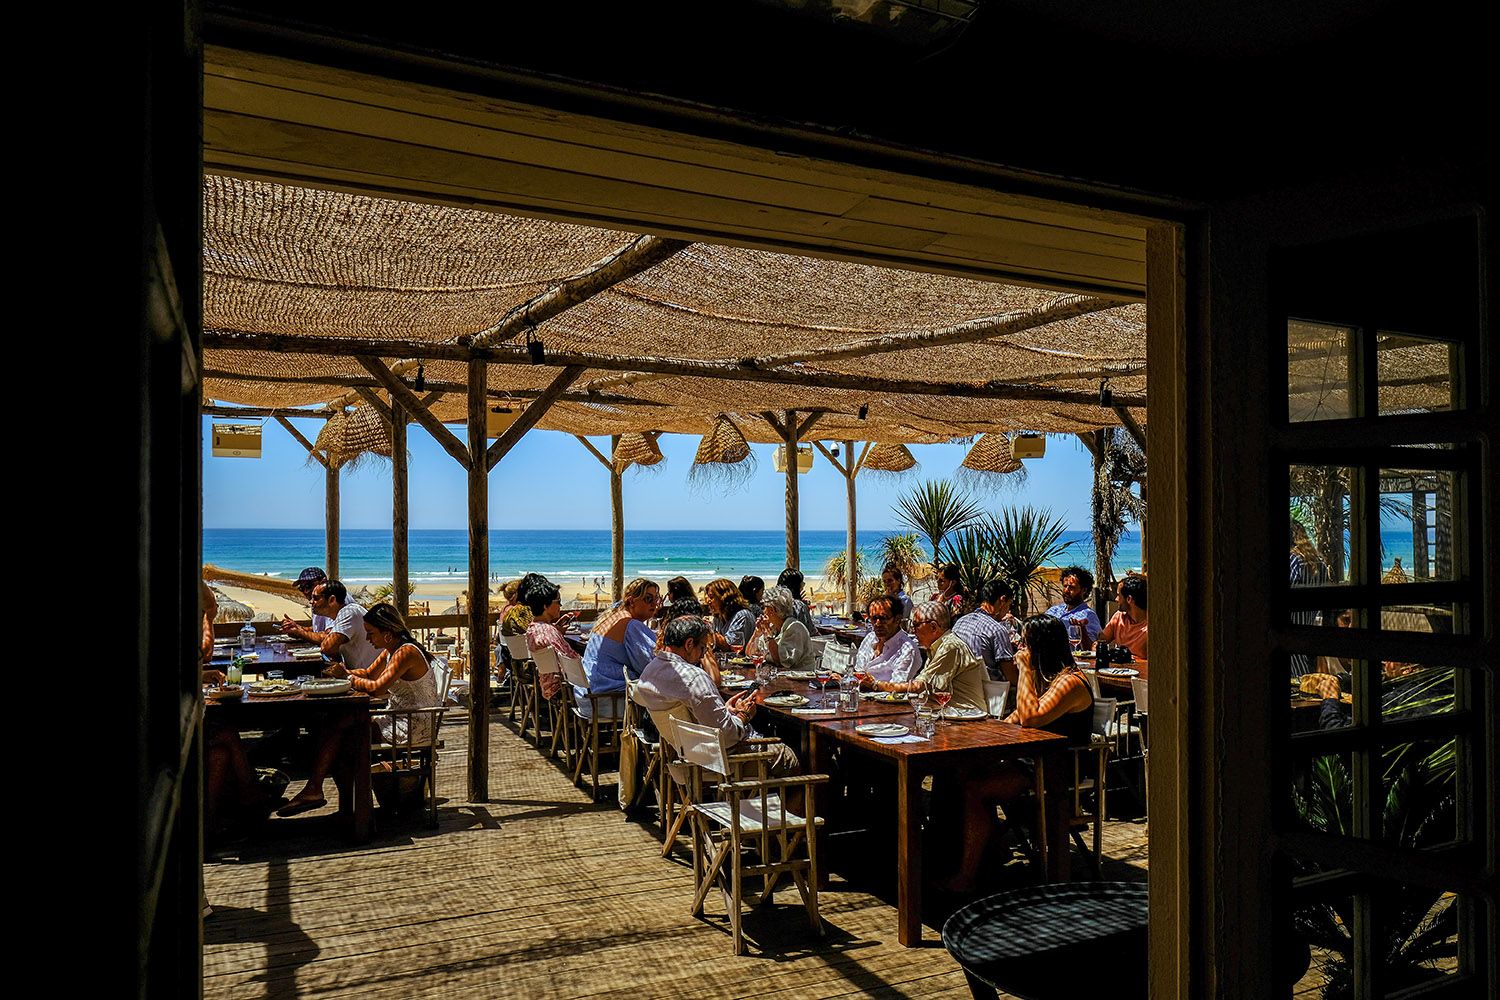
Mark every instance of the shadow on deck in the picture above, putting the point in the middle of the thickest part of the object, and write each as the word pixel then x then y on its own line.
pixel 540 892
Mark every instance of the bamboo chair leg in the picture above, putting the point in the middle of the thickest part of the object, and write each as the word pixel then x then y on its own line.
pixel 736 879
pixel 1041 820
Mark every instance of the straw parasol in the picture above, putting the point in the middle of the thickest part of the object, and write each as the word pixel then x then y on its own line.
pixel 347 437
pixel 636 449
pixel 231 610
pixel 724 458
pixel 990 464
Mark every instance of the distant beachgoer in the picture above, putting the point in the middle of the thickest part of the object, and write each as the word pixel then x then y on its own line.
pixel 1077 584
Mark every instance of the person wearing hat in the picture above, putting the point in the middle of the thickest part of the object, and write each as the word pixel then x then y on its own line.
pixel 306 581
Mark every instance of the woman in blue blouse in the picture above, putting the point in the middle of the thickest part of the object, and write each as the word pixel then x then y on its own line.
pixel 621 644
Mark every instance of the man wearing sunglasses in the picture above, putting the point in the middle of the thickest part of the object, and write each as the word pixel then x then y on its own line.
pixel 887 653
pixel 306 583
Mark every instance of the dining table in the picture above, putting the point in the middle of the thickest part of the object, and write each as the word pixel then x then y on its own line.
pixel 297 709
pixel 791 723
pixel 969 745
pixel 268 656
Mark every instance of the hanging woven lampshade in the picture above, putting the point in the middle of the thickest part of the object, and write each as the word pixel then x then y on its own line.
pixel 346 438
pixel 893 460
pixel 636 449
pixel 990 464
pixel 724 458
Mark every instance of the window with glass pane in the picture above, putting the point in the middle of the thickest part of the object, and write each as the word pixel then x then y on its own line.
pixel 1418 523
pixel 1414 375
pixel 1317 370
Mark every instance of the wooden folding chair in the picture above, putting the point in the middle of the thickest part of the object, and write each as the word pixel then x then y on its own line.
pixel 598 734
pixel 410 748
pixel 545 661
pixel 749 813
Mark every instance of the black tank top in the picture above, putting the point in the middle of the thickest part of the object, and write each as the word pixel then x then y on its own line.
pixel 1075 727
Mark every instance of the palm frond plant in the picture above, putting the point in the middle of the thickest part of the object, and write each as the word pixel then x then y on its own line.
pixel 836 569
pixel 1026 540
pixel 1113 506
pixel 905 550
pixel 975 551
pixel 1417 924
pixel 936 508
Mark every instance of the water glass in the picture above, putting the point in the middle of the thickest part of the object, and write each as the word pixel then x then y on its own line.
pixel 925 722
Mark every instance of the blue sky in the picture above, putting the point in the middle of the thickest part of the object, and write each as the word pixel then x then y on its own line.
pixel 549 481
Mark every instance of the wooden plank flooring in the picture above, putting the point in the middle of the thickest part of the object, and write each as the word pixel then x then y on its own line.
pixel 538 893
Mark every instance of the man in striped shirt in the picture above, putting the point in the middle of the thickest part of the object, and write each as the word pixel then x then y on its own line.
pixel 989 631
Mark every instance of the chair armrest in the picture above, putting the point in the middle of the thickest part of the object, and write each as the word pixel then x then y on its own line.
pixel 757 785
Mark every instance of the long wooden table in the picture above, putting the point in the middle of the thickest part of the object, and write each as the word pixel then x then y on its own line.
pixel 298 709
pixel 971 745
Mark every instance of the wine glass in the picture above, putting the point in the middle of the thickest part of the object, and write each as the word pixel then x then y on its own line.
pixel 823 676
pixel 941 697
pixel 1075 633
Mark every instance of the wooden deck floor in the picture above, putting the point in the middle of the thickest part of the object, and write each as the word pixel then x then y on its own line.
pixel 538 893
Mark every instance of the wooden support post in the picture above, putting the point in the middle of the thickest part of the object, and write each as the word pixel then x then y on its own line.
pixel 849 468
pixel 400 516
pixel 479 589
pixel 1102 572
pixel 616 526
pixel 331 519
pixel 793 501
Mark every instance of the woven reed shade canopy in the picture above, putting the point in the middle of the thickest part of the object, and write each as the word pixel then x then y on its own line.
pixel 889 458
pixel 636 449
pixel 991 453
pixel 705 330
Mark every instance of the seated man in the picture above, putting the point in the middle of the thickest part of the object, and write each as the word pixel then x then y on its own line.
pixel 1077 584
pixel 674 678
pixel 990 631
pixel 345 639
pixel 1128 626
pixel 306 581
pixel 951 666
pixel 887 653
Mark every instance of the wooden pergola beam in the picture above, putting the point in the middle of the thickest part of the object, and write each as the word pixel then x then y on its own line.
pixel 967 332
pixel 687 367
pixel 378 403
pixel 214 410
pixel 440 389
pixel 304 442
pixel 529 416
pixel 1132 427
pixel 595 451
pixel 414 406
pixel 646 252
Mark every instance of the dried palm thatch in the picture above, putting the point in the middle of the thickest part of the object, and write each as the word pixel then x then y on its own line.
pixel 231 610
pixel 991 466
pixel 724 460
pixel 635 448
pixel 347 438
pixel 889 461
pixel 1113 504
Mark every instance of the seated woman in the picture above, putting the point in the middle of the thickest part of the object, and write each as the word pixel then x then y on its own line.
pixel 787 642
pixel 752 589
pixel 1052 695
pixel 543 599
pixel 401 673
pixel 733 621
pixel 680 588
pixel 791 579
pixel 620 645
pixel 949 591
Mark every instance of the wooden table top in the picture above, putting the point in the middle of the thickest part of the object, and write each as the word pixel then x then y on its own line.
pixel 271 659
pixel 867 707
pixel 956 738
pixel 286 699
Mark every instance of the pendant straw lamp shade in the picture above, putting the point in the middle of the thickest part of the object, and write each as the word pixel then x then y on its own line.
pixel 990 464
pixel 347 437
pixel 724 458
pixel 637 449
pixel 893 460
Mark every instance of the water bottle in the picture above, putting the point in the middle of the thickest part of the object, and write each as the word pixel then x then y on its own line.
pixel 848 688
pixel 247 637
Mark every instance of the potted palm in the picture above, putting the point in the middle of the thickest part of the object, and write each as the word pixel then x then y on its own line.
pixel 1026 540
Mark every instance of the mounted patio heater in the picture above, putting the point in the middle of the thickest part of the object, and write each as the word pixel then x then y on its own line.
pixel 236 441
pixel 804 458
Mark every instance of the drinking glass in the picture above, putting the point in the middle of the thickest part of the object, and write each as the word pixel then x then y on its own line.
pixel 823 677
pixel 1075 634
pixel 924 725
pixel 940 700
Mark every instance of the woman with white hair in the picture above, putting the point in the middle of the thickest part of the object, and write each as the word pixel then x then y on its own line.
pixel 787 641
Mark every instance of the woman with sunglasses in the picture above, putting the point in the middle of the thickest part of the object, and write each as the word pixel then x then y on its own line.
pixel 620 645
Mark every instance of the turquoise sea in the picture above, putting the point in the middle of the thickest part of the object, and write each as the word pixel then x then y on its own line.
pixel 442 556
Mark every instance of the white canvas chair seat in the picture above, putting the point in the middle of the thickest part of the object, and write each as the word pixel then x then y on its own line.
pixel 599 735
pixel 995 694
pixel 752 818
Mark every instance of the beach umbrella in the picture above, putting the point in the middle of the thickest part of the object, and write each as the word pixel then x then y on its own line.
pixel 724 460
pixel 231 610
pixel 990 464
pixel 889 460
pixel 635 448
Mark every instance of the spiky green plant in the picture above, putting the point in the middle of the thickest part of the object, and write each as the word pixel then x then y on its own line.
pixel 936 508
pixel 904 550
pixel 836 569
pixel 1026 540
pixel 975 551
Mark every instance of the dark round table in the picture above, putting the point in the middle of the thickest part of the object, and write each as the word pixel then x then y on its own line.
pixel 1064 940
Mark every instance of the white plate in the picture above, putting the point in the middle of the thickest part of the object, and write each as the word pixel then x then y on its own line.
pixel 786 700
pixel 1081 655
pixel 226 692
pixel 1119 671
pixel 889 697
pixel 798 675
pixel 272 689
pixel 307 654
pixel 882 729
pixel 965 714
pixel 326 685
pixel 735 682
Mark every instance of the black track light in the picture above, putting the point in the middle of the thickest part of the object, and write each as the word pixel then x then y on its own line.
pixel 421 382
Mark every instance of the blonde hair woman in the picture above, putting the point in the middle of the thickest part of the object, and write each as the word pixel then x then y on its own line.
pixel 621 644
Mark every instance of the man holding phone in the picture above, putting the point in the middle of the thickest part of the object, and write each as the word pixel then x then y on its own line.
pixel 675 678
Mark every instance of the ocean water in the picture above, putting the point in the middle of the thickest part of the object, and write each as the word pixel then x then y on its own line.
pixel 568 557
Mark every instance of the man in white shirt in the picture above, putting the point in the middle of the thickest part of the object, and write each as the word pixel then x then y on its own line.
pixel 306 581
pixel 888 653
pixel 674 677
pixel 346 638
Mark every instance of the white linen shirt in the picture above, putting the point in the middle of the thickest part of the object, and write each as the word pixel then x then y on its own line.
pixel 356 651
pixel 899 660
pixel 669 680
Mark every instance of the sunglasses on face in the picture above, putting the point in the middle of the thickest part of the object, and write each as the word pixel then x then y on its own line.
pixel 880 618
